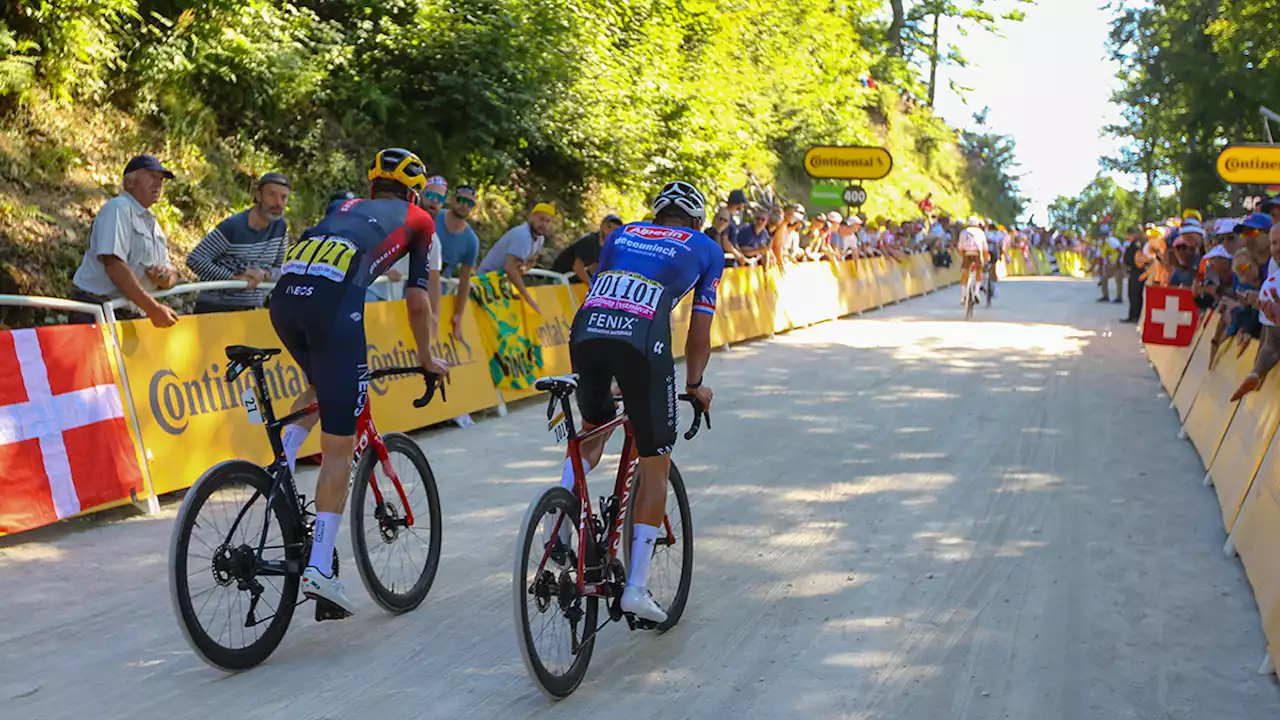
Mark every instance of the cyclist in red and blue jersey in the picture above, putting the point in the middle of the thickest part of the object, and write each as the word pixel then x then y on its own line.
pixel 623 332
pixel 317 309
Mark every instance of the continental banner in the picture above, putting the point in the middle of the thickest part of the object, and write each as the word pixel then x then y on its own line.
pixel 191 418
pixel 510 345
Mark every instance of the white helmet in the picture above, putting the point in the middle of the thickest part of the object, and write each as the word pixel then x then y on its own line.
pixel 974 221
pixel 685 196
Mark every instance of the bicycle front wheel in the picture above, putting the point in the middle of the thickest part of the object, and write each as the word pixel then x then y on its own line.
pixel 232 605
pixel 556 626
pixel 671 569
pixel 397 562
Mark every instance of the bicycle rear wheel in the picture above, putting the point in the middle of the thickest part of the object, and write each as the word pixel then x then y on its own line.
pixel 970 287
pixel 547 604
pixel 215 539
pixel 991 283
pixel 671 569
pixel 397 563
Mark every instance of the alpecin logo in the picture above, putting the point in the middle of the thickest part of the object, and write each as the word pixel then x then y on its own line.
pixel 176 401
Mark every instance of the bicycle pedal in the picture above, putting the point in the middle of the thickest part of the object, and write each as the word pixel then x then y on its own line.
pixel 326 610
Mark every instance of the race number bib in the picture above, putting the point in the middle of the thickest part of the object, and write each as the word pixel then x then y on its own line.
pixel 628 292
pixel 320 256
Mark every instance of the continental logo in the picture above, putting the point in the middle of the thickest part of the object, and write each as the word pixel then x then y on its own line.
pixel 847 163
pixel 1250 164
pixel 175 401
pixel 555 332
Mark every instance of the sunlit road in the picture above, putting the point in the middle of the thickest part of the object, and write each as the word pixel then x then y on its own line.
pixel 901 515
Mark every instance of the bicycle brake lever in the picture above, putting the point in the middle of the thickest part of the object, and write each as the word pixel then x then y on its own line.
pixel 433 384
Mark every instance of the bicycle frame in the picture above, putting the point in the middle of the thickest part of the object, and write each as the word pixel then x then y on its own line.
pixel 367 437
pixel 622 487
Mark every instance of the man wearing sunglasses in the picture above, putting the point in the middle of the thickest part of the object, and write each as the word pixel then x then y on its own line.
pixel 459 248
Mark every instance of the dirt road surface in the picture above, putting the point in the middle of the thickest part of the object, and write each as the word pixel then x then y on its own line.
pixel 901 515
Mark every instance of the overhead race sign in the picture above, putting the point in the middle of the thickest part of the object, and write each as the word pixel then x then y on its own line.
pixel 1250 164
pixel 825 193
pixel 847 163
pixel 854 196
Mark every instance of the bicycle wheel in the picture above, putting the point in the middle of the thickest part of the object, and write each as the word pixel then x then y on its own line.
pixel 991 284
pixel 671 570
pixel 216 537
pixel 549 598
pixel 969 289
pixel 397 563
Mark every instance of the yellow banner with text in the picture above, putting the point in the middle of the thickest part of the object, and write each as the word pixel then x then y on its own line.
pixel 191 418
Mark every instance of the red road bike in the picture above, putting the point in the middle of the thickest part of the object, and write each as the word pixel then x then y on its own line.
pixel 558 585
pixel 224 532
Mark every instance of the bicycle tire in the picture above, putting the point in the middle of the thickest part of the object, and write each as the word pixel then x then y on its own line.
pixel 554 686
pixel 675 608
pixel 969 288
pixel 387 597
pixel 991 283
pixel 208 649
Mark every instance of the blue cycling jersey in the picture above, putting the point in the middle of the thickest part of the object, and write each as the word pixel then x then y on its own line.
pixel 644 271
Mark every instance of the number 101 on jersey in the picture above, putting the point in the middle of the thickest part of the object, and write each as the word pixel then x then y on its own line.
pixel 628 292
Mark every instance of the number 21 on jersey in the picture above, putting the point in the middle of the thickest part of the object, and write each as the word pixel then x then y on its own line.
pixel 324 256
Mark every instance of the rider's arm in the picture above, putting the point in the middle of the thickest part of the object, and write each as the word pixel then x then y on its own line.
pixel 697 349
pixel 416 296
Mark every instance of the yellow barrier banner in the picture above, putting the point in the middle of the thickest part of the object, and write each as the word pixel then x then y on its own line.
pixel 1253 427
pixel 549 331
pixel 191 418
pixel 850 290
pixel 911 284
pixel 885 292
pixel 808 293
pixel 1188 387
pixel 1041 262
pixel 1213 410
pixel 506 328
pixel 924 263
pixel 746 305
pixel 1256 535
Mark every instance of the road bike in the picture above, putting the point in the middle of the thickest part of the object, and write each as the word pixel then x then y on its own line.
pixel 970 292
pixel 989 282
pixel 559 584
pixel 224 532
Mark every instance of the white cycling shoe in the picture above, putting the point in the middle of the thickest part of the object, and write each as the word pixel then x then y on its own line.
pixel 318 587
pixel 637 601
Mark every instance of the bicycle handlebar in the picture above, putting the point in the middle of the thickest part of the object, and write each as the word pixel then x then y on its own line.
pixel 698 414
pixel 431 379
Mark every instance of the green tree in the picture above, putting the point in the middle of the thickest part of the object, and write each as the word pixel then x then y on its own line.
pixel 991 164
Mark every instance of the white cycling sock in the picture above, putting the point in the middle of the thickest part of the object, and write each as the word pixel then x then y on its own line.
pixel 292 438
pixel 642 539
pixel 566 473
pixel 326 534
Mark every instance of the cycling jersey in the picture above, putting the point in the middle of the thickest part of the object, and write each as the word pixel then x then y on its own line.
pixel 972 239
pixel 623 329
pixel 317 307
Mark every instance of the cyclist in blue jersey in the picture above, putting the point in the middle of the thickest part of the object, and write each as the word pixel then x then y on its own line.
pixel 623 332
pixel 317 309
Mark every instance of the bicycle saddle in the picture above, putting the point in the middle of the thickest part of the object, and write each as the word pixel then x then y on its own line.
pixel 246 355
pixel 558 385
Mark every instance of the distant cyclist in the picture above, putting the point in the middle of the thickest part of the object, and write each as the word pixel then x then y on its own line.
pixel 972 245
pixel 317 309
pixel 995 247
pixel 623 332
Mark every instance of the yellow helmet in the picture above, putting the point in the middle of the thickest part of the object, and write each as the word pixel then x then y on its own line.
pixel 400 165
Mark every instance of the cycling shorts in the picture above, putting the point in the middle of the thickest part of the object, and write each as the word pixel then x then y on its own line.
pixel 971 260
pixel 330 349
pixel 648 385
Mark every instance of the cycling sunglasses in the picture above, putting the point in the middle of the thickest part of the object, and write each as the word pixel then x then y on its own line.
pixel 433 195
pixel 467 201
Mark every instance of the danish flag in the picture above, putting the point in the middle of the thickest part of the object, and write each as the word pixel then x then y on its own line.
pixel 64 445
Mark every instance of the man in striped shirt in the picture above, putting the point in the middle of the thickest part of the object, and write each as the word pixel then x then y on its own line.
pixel 249 245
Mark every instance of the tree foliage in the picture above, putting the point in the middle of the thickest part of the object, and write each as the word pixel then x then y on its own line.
pixel 591 103
pixel 1194 73
pixel 992 162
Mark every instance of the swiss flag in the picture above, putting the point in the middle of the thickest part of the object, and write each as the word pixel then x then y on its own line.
pixel 64 445
pixel 1170 316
